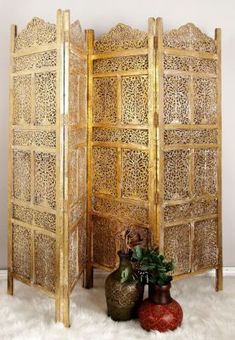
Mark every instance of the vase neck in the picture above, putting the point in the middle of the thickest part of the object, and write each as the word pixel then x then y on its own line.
pixel 124 260
pixel 160 294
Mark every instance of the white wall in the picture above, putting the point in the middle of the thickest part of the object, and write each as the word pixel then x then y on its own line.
pixel 102 15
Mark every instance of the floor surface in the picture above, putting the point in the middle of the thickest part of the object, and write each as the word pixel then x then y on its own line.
pixel 29 315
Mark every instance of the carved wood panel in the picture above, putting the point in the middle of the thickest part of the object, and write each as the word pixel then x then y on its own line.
pixel 190 144
pixel 33 140
pixel 119 139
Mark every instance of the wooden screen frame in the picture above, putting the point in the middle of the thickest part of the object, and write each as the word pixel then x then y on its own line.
pixel 201 55
pixel 66 251
pixel 150 204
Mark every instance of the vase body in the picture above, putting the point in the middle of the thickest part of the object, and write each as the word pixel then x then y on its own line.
pixel 160 312
pixel 123 298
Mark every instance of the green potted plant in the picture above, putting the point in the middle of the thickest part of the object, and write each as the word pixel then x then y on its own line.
pixel 158 312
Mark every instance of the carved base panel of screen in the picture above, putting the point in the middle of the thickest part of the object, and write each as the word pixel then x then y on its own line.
pixel 47 159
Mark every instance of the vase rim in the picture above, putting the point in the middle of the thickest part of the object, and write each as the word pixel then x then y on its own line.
pixel 168 285
pixel 124 254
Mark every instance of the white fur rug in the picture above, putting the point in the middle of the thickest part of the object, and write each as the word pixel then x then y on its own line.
pixel 29 315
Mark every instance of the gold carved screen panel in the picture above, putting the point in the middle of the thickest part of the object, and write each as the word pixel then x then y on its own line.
pixel 76 147
pixel 33 160
pixel 48 158
pixel 121 161
pixel 189 147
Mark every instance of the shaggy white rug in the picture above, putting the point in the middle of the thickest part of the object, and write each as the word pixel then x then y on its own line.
pixel 29 314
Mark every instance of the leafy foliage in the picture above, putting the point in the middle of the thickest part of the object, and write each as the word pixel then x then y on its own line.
pixel 152 267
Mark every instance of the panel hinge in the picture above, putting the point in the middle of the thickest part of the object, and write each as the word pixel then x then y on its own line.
pixel 156 118
pixel 157 197
pixel 155 42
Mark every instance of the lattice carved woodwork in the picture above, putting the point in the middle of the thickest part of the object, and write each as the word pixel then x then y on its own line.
pixel 105 100
pixel 120 146
pixel 127 63
pixel 205 253
pixel 177 246
pixel 37 33
pixel 35 61
pixel 135 100
pixel 189 150
pixel 189 37
pixel 48 158
pixel 121 37
pixel 112 136
pixel 45 261
pixel 22 251
pixel 76 148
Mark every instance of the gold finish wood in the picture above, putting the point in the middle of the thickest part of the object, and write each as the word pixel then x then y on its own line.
pixel 190 150
pixel 112 135
pixel 121 139
pixel 182 212
pixel 47 158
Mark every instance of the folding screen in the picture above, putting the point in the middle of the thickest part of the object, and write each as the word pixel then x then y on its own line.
pixel 47 158
pixel 147 160
pixel 154 111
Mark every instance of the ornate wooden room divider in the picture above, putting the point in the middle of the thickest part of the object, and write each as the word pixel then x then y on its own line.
pixel 146 161
pixel 47 164
pixel 155 144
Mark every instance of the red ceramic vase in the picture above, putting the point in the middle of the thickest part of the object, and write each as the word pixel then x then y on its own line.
pixel 160 312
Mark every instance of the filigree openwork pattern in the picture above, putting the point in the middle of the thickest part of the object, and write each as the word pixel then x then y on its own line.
pixel 82 244
pixel 45 179
pixel 205 171
pixel 45 261
pixel 176 100
pixel 22 252
pixel 104 241
pixel 198 208
pixel 177 246
pixel 181 63
pixel 127 136
pixel 116 64
pixel 105 170
pixel 73 257
pixel 121 37
pixel 22 175
pixel 41 219
pixel 135 174
pixel 34 138
pixel 75 123
pixel 205 244
pixel 189 37
pixel 205 101
pixel 208 136
pixel 37 33
pixel 176 174
pixel 135 100
pixel 35 61
pixel 22 100
pixel 105 100
pixel 131 212
pixel 45 98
